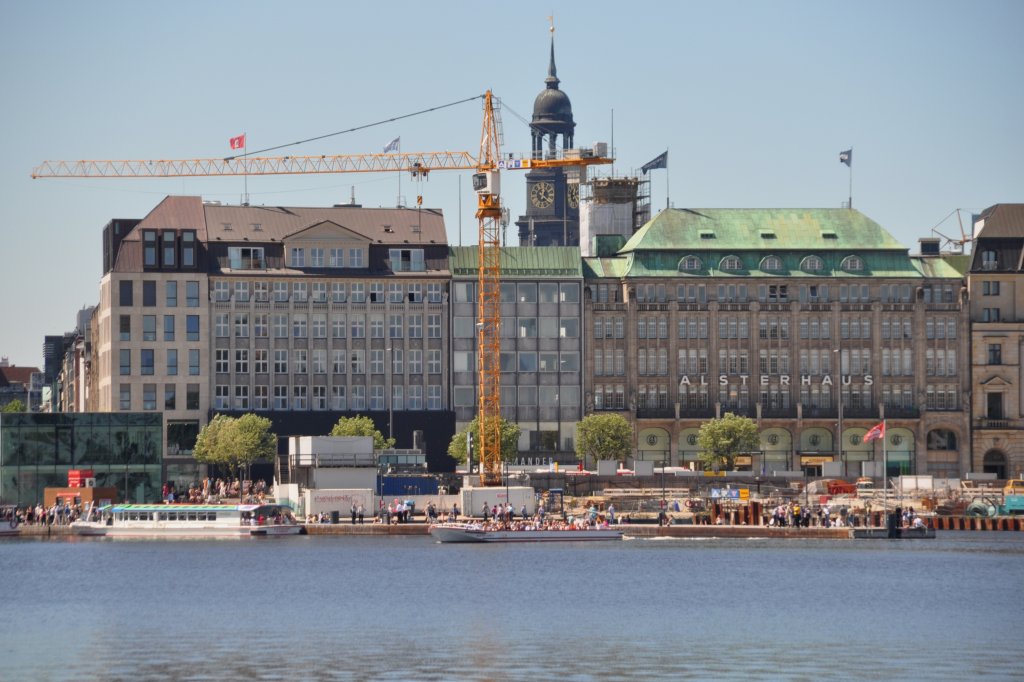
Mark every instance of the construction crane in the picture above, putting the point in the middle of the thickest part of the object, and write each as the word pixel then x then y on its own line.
pixel 488 164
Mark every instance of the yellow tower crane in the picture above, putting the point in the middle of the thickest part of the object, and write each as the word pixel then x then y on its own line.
pixel 488 165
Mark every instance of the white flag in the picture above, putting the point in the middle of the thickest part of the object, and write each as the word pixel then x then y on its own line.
pixel 392 146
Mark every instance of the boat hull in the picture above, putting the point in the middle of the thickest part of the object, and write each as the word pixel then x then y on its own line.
pixel 101 530
pixel 469 534
pixel 920 533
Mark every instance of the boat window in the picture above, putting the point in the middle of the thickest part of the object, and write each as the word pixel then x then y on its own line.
pixel 172 516
pixel 191 516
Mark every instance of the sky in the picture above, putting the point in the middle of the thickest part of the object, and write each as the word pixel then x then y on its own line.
pixel 753 101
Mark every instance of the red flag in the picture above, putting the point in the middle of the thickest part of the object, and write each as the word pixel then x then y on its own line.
pixel 876 432
pixel 238 142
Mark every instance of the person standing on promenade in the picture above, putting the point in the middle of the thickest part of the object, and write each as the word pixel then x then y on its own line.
pixel 352 513
pixel 360 512
pixel 455 511
pixel 487 511
pixel 611 514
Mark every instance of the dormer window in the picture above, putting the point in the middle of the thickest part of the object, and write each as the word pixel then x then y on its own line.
pixel 989 260
pixel 853 264
pixel 731 264
pixel 829 234
pixel 690 264
pixel 149 248
pixel 771 264
pixel 407 260
pixel 297 257
pixel 246 258
pixel 812 264
pixel 707 234
pixel 767 234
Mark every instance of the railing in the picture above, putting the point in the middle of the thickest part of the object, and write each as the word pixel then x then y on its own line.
pixel 999 423
pixel 655 413
pixel 696 412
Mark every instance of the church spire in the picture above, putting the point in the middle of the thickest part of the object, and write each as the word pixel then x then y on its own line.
pixel 552 79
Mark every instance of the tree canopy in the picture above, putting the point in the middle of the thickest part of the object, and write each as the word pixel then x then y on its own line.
pixel 230 442
pixel 604 436
pixel 720 440
pixel 13 406
pixel 362 426
pixel 509 440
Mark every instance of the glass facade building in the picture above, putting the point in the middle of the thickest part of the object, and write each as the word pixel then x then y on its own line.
pixel 37 450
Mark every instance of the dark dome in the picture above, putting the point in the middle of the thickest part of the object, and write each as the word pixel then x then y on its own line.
pixel 552 104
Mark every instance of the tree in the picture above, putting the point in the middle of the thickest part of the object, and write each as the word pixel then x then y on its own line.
pixel 720 440
pixel 230 443
pixel 14 406
pixel 509 440
pixel 362 426
pixel 603 436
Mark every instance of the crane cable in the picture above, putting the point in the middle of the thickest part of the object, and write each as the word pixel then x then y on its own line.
pixel 351 130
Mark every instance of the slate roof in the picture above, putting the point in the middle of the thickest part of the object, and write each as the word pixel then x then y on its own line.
pixel 1002 221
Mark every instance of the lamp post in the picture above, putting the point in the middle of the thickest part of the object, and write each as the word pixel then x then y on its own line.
pixel 839 439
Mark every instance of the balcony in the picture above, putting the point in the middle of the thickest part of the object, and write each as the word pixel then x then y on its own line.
pixel 696 413
pixel 655 413
pixel 1002 424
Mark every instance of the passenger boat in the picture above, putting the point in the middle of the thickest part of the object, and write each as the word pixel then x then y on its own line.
pixel 187 521
pixel 912 533
pixel 475 532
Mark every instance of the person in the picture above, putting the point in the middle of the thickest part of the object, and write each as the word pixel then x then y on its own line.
pixel 522 510
pixel 352 512
pixel 455 511
pixel 360 513
pixel 487 511
pixel 611 513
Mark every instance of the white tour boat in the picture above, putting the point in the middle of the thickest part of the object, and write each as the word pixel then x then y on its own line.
pixel 475 532
pixel 188 521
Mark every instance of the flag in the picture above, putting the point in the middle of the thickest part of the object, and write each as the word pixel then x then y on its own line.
pixel 393 145
pixel 659 161
pixel 846 157
pixel 237 142
pixel 877 431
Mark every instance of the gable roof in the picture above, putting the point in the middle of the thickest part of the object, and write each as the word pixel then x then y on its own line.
pixel 1001 221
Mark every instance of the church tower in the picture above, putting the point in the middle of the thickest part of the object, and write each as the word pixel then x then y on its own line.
pixel 552 202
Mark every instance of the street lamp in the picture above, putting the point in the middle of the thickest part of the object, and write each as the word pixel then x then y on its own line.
pixel 391 400
pixel 839 440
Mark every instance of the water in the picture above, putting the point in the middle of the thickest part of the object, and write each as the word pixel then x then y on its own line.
pixel 405 608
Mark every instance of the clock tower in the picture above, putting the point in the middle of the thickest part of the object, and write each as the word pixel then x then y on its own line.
pixel 552 202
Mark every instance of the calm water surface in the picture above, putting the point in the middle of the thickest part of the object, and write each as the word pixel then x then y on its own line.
pixel 405 608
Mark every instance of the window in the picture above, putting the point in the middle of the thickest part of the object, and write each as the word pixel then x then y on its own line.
pixel 188 249
pixel 261 363
pixel 125 293
pixel 569 328
pixel 357 326
pixel 316 257
pixel 221 362
pixel 434 293
pixel 149 294
pixel 241 325
pixel 221 325
pixel 125 397
pixel 280 292
pixel 320 292
pixel 241 361
pixel 260 398
pixel 193 362
pixel 126 361
pixel 995 354
pixel 338 401
pixel 222 397
pixel 433 361
pixel 376 292
pixel 358 292
pixel 337 258
pixel 260 325
pixel 126 328
pixel 319 397
pixel 192 396
pixel 241 397
pixel 280 360
pixel 990 315
pixel 852 264
pixel 299 329
pixel 280 397
pixel 731 264
pixel 376 326
pixel 415 326
pixel 396 292
pixel 989 260
pixel 434 326
pixel 300 292
pixel 415 361
pixel 377 361
pixel 299 361
pixel 406 260
pixel 355 258
pixel 319 361
pixel 358 401
pixel 172 362
pixel 433 397
pixel 192 327
pixel 261 291
pixel 319 326
pixel 396 325
pixel 147 362
pixel 168 327
pixel 397 398
pixel 771 264
pixel 415 293
pixel 297 257
pixel 242 291
pixel 690 264
pixel 170 396
pixel 171 294
pixel 415 398
pixel 338 292
pixel 357 362
pixel 192 294
pixel 812 264
pixel 149 249
pixel 149 396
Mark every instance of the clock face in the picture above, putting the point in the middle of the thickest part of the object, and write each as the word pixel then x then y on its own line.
pixel 574 195
pixel 542 194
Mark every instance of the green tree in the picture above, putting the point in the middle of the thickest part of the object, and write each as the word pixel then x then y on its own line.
pixel 229 442
pixel 720 440
pixel 509 441
pixel 14 406
pixel 362 426
pixel 603 436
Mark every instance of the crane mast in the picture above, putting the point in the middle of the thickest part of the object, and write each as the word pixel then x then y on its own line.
pixel 486 182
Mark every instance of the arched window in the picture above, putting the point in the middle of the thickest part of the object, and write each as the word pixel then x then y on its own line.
pixel 690 264
pixel 731 263
pixel 853 264
pixel 812 264
pixel 771 264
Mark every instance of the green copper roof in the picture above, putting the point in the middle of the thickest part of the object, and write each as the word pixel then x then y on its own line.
pixel 760 229
pixel 947 266
pixel 531 262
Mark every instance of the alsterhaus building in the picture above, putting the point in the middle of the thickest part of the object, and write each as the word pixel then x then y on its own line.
pixel 781 315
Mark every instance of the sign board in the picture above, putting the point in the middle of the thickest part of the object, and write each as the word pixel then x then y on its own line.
pixel 744 493
pixel 725 494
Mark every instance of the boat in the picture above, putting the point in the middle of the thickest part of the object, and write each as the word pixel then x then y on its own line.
pixel 187 521
pixel 476 532
pixel 911 533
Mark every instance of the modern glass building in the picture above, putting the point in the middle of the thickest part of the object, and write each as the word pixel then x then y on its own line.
pixel 123 449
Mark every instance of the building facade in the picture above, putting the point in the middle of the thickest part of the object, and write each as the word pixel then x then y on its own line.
pixel 782 316
pixel 997 341
pixel 541 345
pixel 304 314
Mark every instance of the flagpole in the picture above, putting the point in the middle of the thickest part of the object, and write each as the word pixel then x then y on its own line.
pixel 245 169
pixel 850 166
pixel 666 178
pixel 399 150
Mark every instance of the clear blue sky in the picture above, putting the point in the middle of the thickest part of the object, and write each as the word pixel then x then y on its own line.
pixel 754 100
